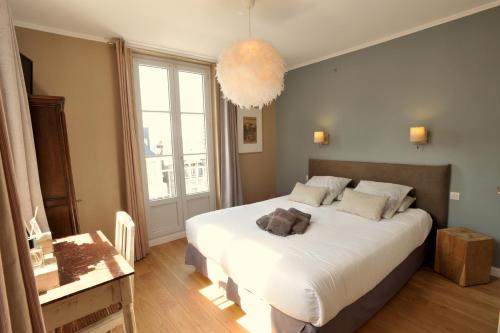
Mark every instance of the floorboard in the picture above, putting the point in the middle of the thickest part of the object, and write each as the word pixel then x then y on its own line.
pixel 171 297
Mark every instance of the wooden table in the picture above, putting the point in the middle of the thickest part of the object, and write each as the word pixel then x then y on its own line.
pixel 92 276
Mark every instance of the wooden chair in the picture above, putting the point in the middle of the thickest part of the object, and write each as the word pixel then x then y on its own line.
pixel 107 319
pixel 125 236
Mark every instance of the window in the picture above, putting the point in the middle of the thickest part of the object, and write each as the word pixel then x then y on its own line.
pixel 194 142
pixel 157 129
pixel 163 119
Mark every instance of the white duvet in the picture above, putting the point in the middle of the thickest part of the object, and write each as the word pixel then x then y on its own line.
pixel 313 276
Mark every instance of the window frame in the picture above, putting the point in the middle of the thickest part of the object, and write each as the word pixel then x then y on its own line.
pixel 174 67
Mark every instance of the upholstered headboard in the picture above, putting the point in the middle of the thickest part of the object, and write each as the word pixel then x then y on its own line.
pixel 431 183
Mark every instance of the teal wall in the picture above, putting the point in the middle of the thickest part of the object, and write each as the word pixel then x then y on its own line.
pixel 446 78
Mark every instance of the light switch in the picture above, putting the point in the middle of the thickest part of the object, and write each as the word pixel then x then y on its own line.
pixel 498 189
pixel 454 195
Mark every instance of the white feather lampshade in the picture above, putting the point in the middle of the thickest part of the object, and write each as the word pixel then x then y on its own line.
pixel 251 73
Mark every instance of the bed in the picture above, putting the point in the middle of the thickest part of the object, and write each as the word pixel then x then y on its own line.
pixel 342 270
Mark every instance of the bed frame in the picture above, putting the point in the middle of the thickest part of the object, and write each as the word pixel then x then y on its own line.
pixel 431 185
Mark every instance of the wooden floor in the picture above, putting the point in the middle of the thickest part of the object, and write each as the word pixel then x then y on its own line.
pixel 170 297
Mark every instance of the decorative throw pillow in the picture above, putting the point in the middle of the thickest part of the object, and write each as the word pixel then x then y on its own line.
pixel 407 202
pixel 309 195
pixel 362 204
pixel 396 194
pixel 335 186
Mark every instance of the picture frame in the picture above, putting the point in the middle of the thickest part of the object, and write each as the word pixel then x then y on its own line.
pixel 249 130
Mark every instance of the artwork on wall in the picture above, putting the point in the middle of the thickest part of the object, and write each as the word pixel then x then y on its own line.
pixel 249 130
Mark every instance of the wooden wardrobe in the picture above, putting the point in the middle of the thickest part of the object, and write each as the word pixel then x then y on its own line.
pixel 54 164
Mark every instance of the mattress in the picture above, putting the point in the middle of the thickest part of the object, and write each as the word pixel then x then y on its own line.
pixel 310 277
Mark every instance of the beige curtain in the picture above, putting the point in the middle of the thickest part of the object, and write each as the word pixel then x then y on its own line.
pixel 20 309
pixel 228 185
pixel 216 134
pixel 231 192
pixel 19 190
pixel 133 181
pixel 19 122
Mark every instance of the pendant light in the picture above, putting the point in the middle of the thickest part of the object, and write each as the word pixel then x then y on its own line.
pixel 251 71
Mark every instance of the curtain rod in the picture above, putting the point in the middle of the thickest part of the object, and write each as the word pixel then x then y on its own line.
pixel 159 54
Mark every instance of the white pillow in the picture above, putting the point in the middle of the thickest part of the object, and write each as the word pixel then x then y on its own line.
pixel 335 186
pixel 396 194
pixel 309 195
pixel 362 204
pixel 407 201
pixel 340 196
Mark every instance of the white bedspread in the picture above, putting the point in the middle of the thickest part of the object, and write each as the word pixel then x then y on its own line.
pixel 313 276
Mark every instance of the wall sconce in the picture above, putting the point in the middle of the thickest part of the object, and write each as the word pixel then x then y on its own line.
pixel 321 138
pixel 418 136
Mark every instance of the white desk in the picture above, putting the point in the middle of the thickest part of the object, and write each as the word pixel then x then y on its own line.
pixel 93 276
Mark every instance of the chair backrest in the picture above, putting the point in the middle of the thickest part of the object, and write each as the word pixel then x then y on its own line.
pixel 124 236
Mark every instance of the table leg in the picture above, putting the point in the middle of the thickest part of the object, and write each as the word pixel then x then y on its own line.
pixel 128 304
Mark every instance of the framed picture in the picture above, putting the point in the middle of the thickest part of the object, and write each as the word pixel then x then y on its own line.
pixel 249 130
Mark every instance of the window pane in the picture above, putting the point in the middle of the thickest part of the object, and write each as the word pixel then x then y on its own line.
pixel 161 179
pixel 196 173
pixel 191 92
pixel 193 133
pixel 153 83
pixel 157 133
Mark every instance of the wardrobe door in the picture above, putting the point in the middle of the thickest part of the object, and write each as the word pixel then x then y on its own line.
pixel 54 166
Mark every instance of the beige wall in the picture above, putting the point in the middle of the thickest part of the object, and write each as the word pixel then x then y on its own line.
pixel 84 73
pixel 258 170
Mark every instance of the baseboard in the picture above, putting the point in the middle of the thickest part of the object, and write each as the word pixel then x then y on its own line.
pixel 495 271
pixel 167 238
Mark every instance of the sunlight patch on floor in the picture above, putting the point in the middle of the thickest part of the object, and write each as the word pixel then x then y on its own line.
pixel 217 296
pixel 257 318
pixel 256 322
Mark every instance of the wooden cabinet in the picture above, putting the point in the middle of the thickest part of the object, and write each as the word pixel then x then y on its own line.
pixel 464 256
pixel 54 165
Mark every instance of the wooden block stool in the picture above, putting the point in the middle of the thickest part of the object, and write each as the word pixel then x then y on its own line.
pixel 463 256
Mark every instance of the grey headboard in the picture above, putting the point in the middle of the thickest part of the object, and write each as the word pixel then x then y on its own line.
pixel 431 183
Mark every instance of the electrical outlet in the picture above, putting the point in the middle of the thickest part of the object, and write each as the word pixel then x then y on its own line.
pixel 454 195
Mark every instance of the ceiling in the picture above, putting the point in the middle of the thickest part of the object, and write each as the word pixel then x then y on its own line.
pixel 304 31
